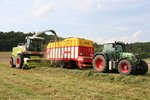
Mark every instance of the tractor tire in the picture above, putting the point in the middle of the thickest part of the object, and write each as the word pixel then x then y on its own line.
pixel 139 69
pixel 11 62
pixel 126 68
pixel 19 61
pixel 100 64
pixel 144 67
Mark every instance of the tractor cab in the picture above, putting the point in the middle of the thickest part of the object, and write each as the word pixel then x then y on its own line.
pixel 114 47
pixel 34 44
pixel 113 50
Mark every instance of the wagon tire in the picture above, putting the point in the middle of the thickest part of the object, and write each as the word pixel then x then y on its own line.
pixel 69 65
pixel 63 64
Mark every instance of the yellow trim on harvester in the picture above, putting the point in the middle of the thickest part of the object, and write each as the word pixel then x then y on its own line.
pixel 17 50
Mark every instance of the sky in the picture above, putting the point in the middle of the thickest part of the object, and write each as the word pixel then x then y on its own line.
pixel 99 20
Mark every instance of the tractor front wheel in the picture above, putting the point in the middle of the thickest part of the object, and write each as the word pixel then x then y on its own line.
pixel 100 63
pixel 125 67
pixel 19 61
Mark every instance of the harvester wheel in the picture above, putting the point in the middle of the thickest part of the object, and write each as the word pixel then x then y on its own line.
pixel 144 66
pixel 11 62
pixel 126 68
pixel 100 63
pixel 19 61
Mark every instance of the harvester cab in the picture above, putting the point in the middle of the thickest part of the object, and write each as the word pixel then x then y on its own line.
pixel 114 57
pixel 30 51
pixel 34 44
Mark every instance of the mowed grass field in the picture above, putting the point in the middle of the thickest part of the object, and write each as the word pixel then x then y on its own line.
pixel 48 83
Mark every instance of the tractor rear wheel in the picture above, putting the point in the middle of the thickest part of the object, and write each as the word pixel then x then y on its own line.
pixel 11 62
pixel 125 67
pixel 144 66
pixel 19 61
pixel 100 64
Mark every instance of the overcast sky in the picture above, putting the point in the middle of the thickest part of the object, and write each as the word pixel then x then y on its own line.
pixel 99 20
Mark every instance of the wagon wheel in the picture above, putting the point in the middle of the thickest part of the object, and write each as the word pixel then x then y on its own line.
pixel 63 64
pixel 69 65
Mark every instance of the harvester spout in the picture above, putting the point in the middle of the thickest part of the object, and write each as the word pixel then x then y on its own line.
pixel 39 33
pixel 56 37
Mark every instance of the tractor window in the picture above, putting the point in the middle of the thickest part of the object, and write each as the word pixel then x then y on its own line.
pixel 120 48
pixel 104 48
pixel 108 48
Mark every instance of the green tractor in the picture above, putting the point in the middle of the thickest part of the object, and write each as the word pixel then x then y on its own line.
pixel 115 58
pixel 28 53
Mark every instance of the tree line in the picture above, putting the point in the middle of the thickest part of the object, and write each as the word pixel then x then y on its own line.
pixel 8 40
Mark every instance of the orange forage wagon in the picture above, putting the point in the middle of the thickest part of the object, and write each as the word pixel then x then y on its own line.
pixel 70 53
